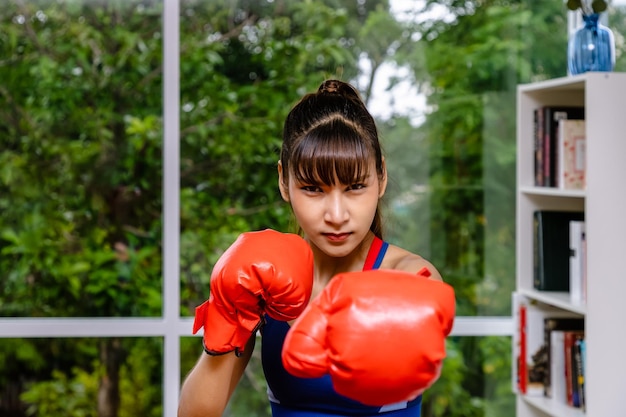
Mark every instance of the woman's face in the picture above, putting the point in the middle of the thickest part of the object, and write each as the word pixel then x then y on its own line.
pixel 335 218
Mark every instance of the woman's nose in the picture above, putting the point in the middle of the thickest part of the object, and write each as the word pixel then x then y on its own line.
pixel 336 210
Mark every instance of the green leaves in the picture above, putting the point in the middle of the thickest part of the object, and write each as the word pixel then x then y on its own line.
pixel 80 159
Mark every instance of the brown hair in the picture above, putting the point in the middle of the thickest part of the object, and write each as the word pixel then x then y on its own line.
pixel 331 135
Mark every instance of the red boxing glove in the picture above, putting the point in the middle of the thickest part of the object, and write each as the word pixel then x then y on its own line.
pixel 262 272
pixel 379 334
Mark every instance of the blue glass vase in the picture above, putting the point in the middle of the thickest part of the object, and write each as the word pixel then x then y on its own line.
pixel 591 47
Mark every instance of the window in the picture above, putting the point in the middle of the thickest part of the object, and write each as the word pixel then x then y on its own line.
pixel 139 139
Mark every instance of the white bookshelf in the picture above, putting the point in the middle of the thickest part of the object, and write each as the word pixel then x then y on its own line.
pixel 604 203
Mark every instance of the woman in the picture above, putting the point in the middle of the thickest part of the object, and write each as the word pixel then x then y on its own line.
pixel 333 174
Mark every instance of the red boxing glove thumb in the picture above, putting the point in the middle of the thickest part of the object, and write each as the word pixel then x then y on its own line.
pixel 379 334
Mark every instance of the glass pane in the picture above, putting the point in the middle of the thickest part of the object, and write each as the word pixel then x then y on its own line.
pixel 617 22
pixel 80 158
pixel 81 377
pixel 453 199
pixel 243 65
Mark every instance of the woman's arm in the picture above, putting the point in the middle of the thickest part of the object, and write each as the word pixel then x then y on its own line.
pixel 210 384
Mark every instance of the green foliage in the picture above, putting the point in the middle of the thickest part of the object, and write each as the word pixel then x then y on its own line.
pixel 81 169
pixel 260 60
pixel 75 393
pixel 496 366
pixel 448 395
pixel 141 379
pixel 63 396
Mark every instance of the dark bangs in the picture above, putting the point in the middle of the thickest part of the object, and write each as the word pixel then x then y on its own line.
pixel 332 151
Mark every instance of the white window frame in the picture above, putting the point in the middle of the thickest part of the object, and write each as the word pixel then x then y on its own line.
pixel 170 326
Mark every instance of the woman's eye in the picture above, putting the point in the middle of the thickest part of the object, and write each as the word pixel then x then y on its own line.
pixel 311 188
pixel 358 186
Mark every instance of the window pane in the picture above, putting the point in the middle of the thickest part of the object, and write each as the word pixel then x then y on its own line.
pixel 80 158
pixel 81 377
pixel 476 380
pixel 243 65
pixel 453 199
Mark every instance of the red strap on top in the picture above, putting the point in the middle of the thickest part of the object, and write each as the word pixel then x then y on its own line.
pixel 372 254
pixel 424 272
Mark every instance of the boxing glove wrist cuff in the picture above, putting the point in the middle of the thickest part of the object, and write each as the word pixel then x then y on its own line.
pixel 237 350
pixel 238 353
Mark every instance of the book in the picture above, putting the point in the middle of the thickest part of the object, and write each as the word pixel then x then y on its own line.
pixel 519 348
pixel 571 154
pixel 558 390
pixel 576 264
pixel 582 346
pixel 579 391
pixel 550 325
pixel 538 145
pixel 530 356
pixel 571 378
pixel 551 249
pixel 551 117
pixel 584 264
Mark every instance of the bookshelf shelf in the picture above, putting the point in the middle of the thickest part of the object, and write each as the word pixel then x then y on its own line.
pixel 604 203
pixel 556 299
pixel 551 407
pixel 555 192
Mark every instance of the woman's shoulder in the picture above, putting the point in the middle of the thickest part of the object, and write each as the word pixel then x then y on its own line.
pixel 403 260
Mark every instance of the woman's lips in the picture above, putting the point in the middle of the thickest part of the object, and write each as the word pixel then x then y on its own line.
pixel 336 237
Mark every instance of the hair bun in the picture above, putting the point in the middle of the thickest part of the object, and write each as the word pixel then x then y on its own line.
pixel 330 87
pixel 338 87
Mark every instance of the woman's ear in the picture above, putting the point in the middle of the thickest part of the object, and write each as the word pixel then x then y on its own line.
pixel 382 183
pixel 284 190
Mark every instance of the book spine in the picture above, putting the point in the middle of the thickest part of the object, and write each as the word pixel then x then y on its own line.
pixel 583 353
pixel 538 131
pixel 576 230
pixel 583 248
pixel 553 157
pixel 537 251
pixel 557 367
pixel 580 375
pixel 547 115
pixel 522 368
pixel 571 377
pixel 567 353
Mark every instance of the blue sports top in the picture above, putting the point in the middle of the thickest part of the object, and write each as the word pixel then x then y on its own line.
pixel 291 396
